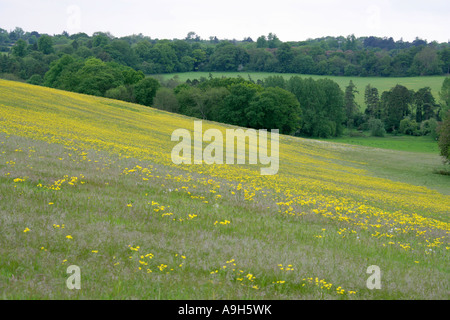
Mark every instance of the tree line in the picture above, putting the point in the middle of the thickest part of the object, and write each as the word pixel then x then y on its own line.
pixel 311 108
pixel 317 108
pixel 298 106
pixel 25 54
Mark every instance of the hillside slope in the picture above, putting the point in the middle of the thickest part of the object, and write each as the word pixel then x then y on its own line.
pixel 89 181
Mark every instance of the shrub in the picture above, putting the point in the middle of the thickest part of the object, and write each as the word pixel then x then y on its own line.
pixel 356 134
pixel 408 126
pixel 124 93
pixel 36 79
pixel 376 127
pixel 165 99
pixel 429 127
pixel 145 91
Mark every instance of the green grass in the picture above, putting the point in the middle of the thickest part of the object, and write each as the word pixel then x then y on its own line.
pixel 388 158
pixel 398 157
pixel 392 142
pixel 381 83
pixel 33 264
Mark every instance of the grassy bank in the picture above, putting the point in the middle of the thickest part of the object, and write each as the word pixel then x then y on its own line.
pixel 89 181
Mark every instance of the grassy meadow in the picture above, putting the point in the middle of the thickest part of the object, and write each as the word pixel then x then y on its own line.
pixel 89 181
pixel 422 144
pixel 381 83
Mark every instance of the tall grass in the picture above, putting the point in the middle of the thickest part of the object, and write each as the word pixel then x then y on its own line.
pixel 88 181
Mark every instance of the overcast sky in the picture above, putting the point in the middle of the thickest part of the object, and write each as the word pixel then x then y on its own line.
pixel 288 19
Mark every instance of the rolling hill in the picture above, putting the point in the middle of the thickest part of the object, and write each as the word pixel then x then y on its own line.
pixel 89 181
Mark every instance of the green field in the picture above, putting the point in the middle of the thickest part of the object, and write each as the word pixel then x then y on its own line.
pixel 382 84
pixel 392 142
pixel 89 182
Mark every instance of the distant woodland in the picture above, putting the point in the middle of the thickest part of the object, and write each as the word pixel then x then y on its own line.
pixel 31 53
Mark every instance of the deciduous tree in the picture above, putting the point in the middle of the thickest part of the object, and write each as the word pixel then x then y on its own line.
pixel 145 91
pixel 444 138
pixel 45 44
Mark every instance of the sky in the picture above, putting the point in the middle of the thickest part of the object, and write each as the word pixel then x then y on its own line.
pixel 290 20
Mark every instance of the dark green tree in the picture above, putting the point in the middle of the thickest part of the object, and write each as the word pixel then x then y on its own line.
pixel 444 138
pixel 424 103
pixel 199 58
pixel 334 105
pixel 187 99
pixel 274 108
pixel 303 64
pixel 35 79
pixel 228 57
pixel 130 76
pixel 212 102
pixel 75 45
pixel 145 91
pixel 444 55
pixel 444 95
pixel 45 44
pixel 235 104
pixel 321 104
pixel 351 43
pixel 192 36
pixel 16 34
pixel 273 41
pixel 165 99
pixel 426 62
pixel 62 73
pixel 261 42
pixel 274 81
pixel 396 105
pixel 350 105
pixel 120 51
pixel 164 57
pixel 19 49
pixel 262 60
pixel 401 63
pixel 285 57
pixel 142 50
pixel 372 101
pixel 100 39
pixel 96 77
pixel 32 66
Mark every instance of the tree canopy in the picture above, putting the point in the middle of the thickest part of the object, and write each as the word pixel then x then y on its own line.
pixel 349 56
